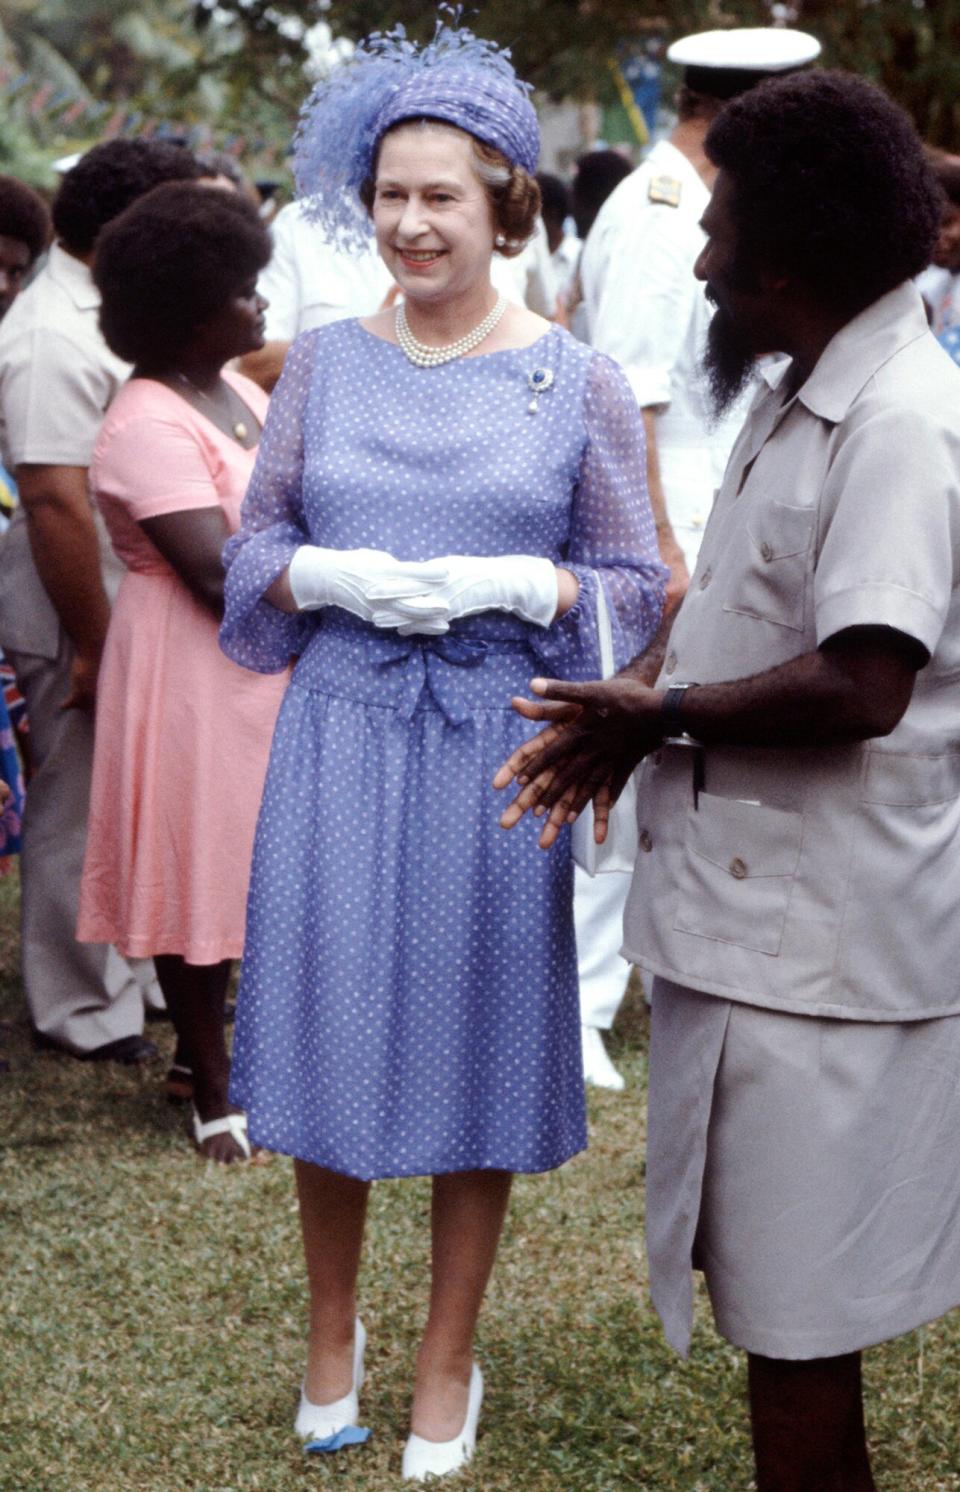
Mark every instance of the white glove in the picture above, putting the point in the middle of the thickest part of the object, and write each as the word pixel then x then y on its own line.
pixel 525 584
pixel 362 580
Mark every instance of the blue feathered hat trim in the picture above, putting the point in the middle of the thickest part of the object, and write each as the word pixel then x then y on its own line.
pixel 456 77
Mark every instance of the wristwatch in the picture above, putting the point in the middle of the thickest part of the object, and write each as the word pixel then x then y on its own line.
pixel 671 709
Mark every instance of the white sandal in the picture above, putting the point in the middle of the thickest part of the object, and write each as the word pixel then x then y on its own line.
pixel 232 1124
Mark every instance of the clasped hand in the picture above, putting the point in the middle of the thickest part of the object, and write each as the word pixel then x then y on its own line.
pixel 368 583
pixel 525 584
pixel 595 737
pixel 422 597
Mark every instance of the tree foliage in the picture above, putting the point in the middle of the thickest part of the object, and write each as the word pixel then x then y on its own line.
pixel 912 47
pixel 69 66
pixel 243 66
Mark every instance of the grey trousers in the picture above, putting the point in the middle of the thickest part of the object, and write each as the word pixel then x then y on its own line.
pixel 81 995
pixel 809 1167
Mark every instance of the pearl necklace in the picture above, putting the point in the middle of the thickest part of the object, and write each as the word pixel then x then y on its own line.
pixel 424 356
pixel 240 431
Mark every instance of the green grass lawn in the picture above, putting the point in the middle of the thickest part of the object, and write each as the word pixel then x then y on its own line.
pixel 152 1313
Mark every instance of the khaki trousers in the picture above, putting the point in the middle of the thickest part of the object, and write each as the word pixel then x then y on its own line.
pixel 81 995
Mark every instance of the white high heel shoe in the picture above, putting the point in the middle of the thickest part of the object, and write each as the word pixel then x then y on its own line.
pixel 322 1421
pixel 423 1459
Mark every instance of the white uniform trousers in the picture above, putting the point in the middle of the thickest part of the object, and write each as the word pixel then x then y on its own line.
pixel 598 903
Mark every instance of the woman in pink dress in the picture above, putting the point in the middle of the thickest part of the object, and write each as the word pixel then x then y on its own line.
pixel 182 734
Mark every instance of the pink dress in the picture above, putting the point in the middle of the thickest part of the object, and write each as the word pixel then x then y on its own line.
pixel 182 734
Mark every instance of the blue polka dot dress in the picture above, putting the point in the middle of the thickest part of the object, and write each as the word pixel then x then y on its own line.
pixel 408 1000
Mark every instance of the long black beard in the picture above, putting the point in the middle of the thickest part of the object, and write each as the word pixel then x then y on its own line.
pixel 727 362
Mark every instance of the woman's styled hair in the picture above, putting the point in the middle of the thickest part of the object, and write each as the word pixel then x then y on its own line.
pixel 169 263
pixel 513 193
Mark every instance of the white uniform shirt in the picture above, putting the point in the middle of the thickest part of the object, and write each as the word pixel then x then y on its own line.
pixel 57 378
pixel 566 260
pixel 529 278
pixel 821 882
pixel 645 309
pixel 310 283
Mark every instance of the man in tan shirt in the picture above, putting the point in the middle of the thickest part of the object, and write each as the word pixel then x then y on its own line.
pixel 796 888
pixel 57 572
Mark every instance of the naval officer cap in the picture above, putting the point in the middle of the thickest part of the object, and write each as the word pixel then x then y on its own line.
pixel 722 64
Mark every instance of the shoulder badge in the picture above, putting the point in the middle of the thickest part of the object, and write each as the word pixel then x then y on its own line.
pixel 665 189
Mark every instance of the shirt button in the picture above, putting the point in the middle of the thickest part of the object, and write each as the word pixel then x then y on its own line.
pixel 646 840
pixel 706 578
pixel 738 868
pixel 766 550
pixel 671 664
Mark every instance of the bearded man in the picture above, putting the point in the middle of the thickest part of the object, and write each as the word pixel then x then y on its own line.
pixel 796 888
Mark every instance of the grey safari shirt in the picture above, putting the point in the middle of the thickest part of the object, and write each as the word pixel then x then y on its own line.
pixel 824 882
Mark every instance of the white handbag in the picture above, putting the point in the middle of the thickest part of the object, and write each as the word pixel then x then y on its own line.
pixel 619 849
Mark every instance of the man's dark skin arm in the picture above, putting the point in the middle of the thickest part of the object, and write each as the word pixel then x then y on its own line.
pixel 855 687
pixel 66 552
pixel 620 757
pixel 646 667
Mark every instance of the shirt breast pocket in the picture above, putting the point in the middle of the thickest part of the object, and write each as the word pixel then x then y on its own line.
pixel 737 873
pixel 773 586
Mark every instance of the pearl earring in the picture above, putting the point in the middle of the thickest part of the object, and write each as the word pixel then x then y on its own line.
pixel 500 240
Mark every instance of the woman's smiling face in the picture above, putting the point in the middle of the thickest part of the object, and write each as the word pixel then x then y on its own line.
pixel 431 212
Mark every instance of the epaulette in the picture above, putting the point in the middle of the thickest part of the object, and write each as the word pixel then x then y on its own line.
pixel 665 189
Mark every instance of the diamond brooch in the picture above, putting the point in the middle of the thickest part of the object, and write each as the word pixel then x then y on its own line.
pixel 539 381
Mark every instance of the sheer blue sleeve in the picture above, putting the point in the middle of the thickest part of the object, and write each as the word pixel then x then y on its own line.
pixel 613 537
pixel 254 633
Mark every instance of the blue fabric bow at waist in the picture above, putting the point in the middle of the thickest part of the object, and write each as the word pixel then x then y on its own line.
pixel 416 672
pixel 425 654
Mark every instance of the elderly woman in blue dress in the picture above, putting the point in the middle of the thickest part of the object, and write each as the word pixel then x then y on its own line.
pixel 442 491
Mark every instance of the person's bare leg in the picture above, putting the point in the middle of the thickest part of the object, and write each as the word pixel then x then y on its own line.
pixel 196 995
pixel 856 1457
pixel 333 1210
pixel 808 1428
pixel 468 1212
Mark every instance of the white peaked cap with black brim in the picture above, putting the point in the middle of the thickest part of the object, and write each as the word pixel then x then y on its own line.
pixel 725 63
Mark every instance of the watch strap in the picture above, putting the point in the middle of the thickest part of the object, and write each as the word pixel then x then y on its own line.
pixel 671 709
